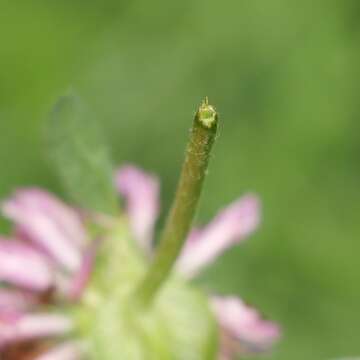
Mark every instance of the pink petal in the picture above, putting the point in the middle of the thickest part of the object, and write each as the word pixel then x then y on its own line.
pixel 240 322
pixel 67 219
pixel 23 266
pixel 32 326
pixel 141 192
pixel 230 226
pixel 81 279
pixel 49 224
pixel 15 300
pixel 70 350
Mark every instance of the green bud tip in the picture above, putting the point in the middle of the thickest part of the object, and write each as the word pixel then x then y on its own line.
pixel 207 114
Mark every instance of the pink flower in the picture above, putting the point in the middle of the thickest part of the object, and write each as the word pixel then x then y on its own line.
pixel 47 260
pixel 22 265
pixel 242 329
pixel 141 192
pixel 49 224
pixel 231 226
pixel 50 257
pixel 15 327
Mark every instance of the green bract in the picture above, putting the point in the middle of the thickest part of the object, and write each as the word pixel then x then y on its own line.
pixel 177 325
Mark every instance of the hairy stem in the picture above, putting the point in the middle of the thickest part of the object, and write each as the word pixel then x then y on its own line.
pixel 184 206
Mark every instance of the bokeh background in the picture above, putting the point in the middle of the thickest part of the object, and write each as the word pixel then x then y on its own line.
pixel 285 77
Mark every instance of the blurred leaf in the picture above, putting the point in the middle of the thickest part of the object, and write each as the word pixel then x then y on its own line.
pixel 81 156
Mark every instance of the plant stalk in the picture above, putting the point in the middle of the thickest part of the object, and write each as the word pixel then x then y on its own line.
pixel 185 203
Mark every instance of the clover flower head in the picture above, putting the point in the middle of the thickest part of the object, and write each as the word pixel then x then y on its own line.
pixel 78 283
pixel 48 261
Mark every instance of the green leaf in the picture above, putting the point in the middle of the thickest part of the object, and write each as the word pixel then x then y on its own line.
pixel 80 156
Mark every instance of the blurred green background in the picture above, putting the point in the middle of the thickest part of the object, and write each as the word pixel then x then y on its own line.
pixel 284 76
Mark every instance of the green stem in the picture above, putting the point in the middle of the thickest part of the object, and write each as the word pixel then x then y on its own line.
pixel 185 202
